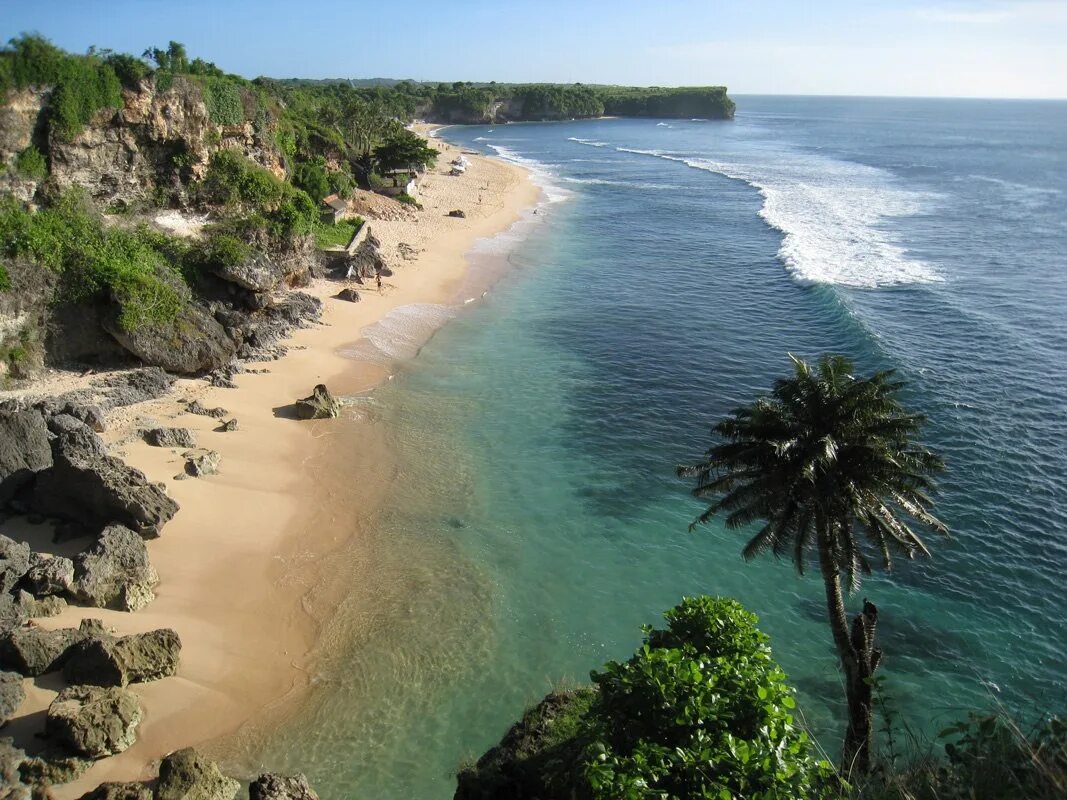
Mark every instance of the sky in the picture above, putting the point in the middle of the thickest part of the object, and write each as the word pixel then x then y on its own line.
pixel 965 48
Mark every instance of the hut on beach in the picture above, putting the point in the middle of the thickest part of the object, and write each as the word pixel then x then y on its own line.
pixel 333 208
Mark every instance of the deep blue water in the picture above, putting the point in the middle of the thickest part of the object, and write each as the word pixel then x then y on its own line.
pixel 538 521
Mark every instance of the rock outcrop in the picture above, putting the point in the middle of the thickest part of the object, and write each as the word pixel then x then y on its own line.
pixel 105 660
pixel 259 274
pixel 119 791
pixel 87 485
pixel 11 694
pixel 94 721
pixel 191 343
pixel 33 651
pixel 170 437
pixel 281 787
pixel 24 450
pixel 187 775
pixel 115 572
pixel 14 562
pixel 49 576
pixel 319 405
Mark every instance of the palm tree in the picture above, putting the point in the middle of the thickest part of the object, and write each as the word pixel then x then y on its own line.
pixel 827 456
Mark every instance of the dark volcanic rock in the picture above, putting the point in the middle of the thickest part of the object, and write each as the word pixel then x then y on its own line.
pixel 61 423
pixel 48 576
pixel 11 694
pixel 12 612
pixel 30 606
pixel 115 572
pixel 119 791
pixel 349 294
pixel 135 386
pixel 280 787
pixel 104 660
pixel 24 450
pixel 14 562
pixel 11 758
pixel 196 407
pixel 192 343
pixel 170 437
pixel 187 775
pixel 320 405
pixel 94 721
pixel 457 213
pixel 51 768
pixel 35 651
pixel 89 486
pixel 228 426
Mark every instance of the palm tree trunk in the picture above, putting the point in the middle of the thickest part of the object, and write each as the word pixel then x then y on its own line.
pixel 859 659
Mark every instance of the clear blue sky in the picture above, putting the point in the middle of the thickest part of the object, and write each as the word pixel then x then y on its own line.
pixel 984 48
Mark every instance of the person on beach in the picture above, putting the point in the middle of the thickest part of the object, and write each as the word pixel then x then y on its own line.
pixel 378 280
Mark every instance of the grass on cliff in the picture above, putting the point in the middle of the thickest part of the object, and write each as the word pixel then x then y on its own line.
pixel 338 235
pixel 129 268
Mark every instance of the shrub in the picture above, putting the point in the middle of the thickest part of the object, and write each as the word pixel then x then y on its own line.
pixel 30 163
pixel 311 177
pixel 222 96
pixel 5 279
pixel 95 262
pixel 702 710
pixel 408 200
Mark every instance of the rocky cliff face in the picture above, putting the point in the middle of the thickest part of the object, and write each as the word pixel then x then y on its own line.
pixel 158 139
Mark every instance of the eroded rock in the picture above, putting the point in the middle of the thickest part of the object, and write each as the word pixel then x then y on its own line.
pixel 11 695
pixel 24 450
pixel 94 721
pixel 105 660
pixel 89 486
pixel 319 405
pixel 49 576
pixel 119 791
pixel 170 437
pixel 115 572
pixel 33 651
pixel 187 775
pixel 192 343
pixel 281 787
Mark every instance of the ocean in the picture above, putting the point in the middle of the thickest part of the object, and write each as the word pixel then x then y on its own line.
pixel 537 522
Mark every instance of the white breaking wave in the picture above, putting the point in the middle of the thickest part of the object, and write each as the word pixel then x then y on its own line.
pixel 626 184
pixel 541 173
pixel 401 333
pixel 833 215
pixel 662 125
pixel 481 139
pixel 587 142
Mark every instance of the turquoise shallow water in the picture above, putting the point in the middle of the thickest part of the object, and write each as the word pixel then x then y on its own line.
pixel 536 521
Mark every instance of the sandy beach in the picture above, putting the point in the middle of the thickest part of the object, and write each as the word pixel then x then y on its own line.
pixel 237 563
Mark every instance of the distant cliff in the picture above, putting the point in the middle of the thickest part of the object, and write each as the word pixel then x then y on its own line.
pixel 493 103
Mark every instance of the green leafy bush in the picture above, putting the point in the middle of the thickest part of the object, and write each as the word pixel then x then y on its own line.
pixel 311 177
pixel 30 163
pixel 702 710
pixel 405 150
pixel 222 96
pixel 5 279
pixel 95 262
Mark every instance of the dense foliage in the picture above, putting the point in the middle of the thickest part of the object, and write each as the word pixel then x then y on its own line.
pixel 94 261
pixel 701 710
pixel 260 200
pixel 83 85
pixel 404 150
pixel 30 163
pixel 338 234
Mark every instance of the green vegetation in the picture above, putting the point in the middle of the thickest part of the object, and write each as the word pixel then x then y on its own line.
pixel 338 235
pixel 96 262
pixel 84 85
pixel 259 201
pixel 825 457
pixel 404 150
pixel 408 200
pixel 31 164
pixel 701 710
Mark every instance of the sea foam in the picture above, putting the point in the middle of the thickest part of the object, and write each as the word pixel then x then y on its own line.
pixel 542 173
pixel 831 213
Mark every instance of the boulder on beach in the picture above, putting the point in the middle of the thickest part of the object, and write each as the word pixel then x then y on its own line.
pixel 272 786
pixel 87 485
pixel 169 437
pixel 119 791
pixel 115 572
pixel 319 405
pixel 457 213
pixel 228 426
pixel 33 651
pixel 101 659
pixel 196 407
pixel 53 767
pixel 94 721
pixel 48 576
pixel 349 294
pixel 24 450
pixel 11 758
pixel 12 612
pixel 14 562
pixel 11 695
pixel 281 787
pixel 201 462
pixel 187 775
pixel 191 343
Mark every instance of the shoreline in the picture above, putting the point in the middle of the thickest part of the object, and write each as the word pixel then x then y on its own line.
pixel 249 545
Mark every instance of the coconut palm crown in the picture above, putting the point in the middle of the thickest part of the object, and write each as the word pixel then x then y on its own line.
pixel 828 463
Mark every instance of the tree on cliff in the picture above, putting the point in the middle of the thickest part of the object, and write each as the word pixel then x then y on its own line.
pixel 825 457
pixel 404 150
